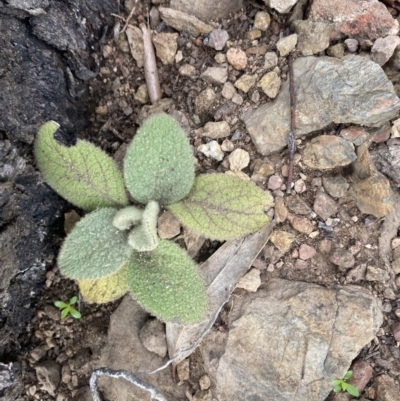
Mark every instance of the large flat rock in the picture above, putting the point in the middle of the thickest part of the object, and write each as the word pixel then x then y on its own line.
pixel 291 339
pixel 328 90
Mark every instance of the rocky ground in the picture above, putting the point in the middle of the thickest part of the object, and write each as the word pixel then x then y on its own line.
pixel 324 293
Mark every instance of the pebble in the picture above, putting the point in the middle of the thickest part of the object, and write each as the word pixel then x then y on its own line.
pixel 261 171
pixel 336 186
pixel 237 99
pixel 212 149
pixel 286 44
pixel 187 70
pixel 203 395
pixel 282 240
pixel 218 38
pixel 313 37
pixel 141 95
pixel 246 82
pixel 301 264
pixel 262 20
pixel 152 335
pixel 168 225
pixel 107 51
pixel 301 224
pixel 237 58
pixel 38 353
pixel 204 382
pixel 356 274
pixel 215 75
pixel 342 258
pixel 270 83
pixel 336 50
pixel 384 48
pixel 388 293
pixel 275 182
pixel 396 266
pixel 166 45
pixel 238 160
pixel 227 145
pixel 102 110
pixel 183 370
pixel 52 312
pixel 178 56
pixel 251 281
pixel 204 101
pixel 300 186
pixel 306 252
pixel 280 210
pixel 395 242
pixel 297 205
pixel 355 134
pixel 228 90
pixel 351 45
pixel 386 389
pixel 259 264
pixel 48 374
pixel 376 274
pixel 220 58
pixel 216 130
pixel 271 60
pixel 324 205
pixel 395 131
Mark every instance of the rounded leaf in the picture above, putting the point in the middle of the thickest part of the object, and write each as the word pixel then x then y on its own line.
pixel 159 162
pixel 167 284
pixel 94 248
pixel 82 174
pixel 74 313
pixel 348 375
pixel 350 389
pixel 222 207
pixel 107 289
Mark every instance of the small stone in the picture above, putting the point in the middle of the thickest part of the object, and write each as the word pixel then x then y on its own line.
pixel 246 82
pixel 386 389
pixel 216 130
pixel 52 312
pixel 102 110
pixel 300 186
pixel 107 51
pixel 395 242
pixel 381 135
pixel 239 159
pixel 261 171
pixel 354 134
pixel 270 83
pixel 237 99
pixel 301 224
pixel 178 56
pixel 388 293
pixel 376 274
pixel 66 374
pixel 262 20
pixel 201 395
pixel 271 60
pixel 395 131
pixel 275 182
pixel 282 240
pixel 152 335
pixel 253 34
pixel 325 206
pixel 301 264
pixel 384 48
pixel 215 75
pixel 286 44
pixel 306 252
pixel 237 58
pixel 166 45
pixel 342 258
pixel 227 145
pixel 255 96
pixel 259 264
pixel 336 50
pixel 351 45
pixel 135 40
pixel 168 225
pixel 38 353
pixel 336 186
pixel 297 205
pixel 328 151
pixel 212 149
pixel 204 101
pixel 204 382
pixel 396 266
pixel 396 331
pixel 218 38
pixel 280 210
pixel 251 281
pixel 313 37
pixel 142 95
pixel 362 374
pixel 187 70
pixel 228 90
pixel 356 274
pixel 220 58
pixel 325 246
pixel 48 374
pixel 183 370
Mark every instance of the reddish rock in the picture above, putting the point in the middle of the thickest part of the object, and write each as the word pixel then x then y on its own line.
pixel 356 18
pixel 260 264
pixel 306 252
pixel 386 389
pixel 236 58
pixel 275 182
pixel 362 374
pixel 301 264
pixel 355 134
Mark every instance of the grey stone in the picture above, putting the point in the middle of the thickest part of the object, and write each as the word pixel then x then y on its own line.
pixel 212 149
pixel 348 90
pixel 270 83
pixel 152 335
pixel 49 376
pixel 325 206
pixel 7 376
pixel 313 37
pixel 351 45
pixel 262 20
pixel 207 9
pixel 216 130
pixel 297 337
pixel 342 258
pixel 228 90
pixel 282 6
pixel 286 44
pixel 204 101
pixel 376 274
pixel 135 39
pixel 215 75
pixel 218 38
pixel 336 186
pixel 384 48
pixel 187 70
pixel 296 205
pixel 270 60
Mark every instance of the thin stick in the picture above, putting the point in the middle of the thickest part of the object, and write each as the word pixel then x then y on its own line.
pixel 129 17
pixel 292 132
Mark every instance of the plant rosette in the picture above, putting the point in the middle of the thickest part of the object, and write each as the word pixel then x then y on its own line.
pixel 68 309
pixel 115 248
pixel 340 385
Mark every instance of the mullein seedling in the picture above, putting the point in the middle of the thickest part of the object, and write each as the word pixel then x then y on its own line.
pixel 342 385
pixel 68 309
pixel 115 248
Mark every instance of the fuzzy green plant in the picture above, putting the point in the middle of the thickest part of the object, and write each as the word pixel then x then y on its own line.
pixel 115 248
pixel 67 308
pixel 340 385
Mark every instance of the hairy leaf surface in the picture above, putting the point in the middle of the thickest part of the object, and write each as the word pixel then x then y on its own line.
pixel 167 284
pixel 105 289
pixel 222 207
pixel 159 163
pixel 94 248
pixel 82 174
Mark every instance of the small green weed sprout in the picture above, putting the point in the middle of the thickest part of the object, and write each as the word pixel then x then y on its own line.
pixel 68 309
pixel 342 385
pixel 115 248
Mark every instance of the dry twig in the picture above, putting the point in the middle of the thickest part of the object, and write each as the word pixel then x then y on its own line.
pixel 292 132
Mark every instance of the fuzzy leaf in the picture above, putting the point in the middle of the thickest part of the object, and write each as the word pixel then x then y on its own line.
pixel 82 174
pixel 167 284
pixel 222 207
pixel 350 389
pixel 105 289
pixel 127 217
pixel 94 248
pixel 159 163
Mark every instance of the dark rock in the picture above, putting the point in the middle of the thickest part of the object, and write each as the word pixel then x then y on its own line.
pixel 49 376
pixel 336 186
